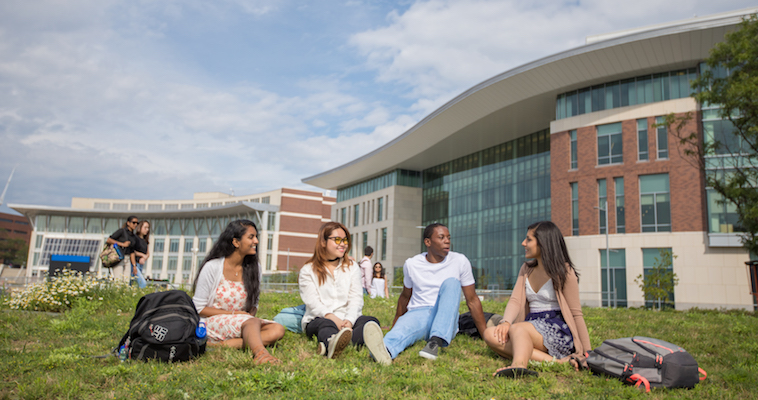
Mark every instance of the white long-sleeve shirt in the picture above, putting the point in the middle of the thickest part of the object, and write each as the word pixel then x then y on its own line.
pixel 341 294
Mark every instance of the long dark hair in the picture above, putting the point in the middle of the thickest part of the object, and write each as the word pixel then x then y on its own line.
pixel 319 259
pixel 554 253
pixel 223 247
pixel 138 229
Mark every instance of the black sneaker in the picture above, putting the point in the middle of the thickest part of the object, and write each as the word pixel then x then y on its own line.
pixel 430 350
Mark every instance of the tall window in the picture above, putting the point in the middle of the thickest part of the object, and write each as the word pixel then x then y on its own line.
pixel 384 244
pixel 157 267
pixel 364 242
pixel 271 221
pixel 344 215
pixel 188 245
pixel 575 208
pixel 574 162
pixel 602 204
pixel 356 214
pixel 158 246
pixel 620 212
pixel 655 203
pixel 201 245
pixel 617 294
pixel 173 246
pixel 270 242
pixel 663 139
pixel 642 139
pixel 609 145
pixel 649 257
pixel 380 209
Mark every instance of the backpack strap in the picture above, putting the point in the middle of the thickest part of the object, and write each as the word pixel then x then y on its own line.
pixel 639 379
pixel 702 371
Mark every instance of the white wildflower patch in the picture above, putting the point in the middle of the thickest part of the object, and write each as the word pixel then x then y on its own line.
pixel 56 293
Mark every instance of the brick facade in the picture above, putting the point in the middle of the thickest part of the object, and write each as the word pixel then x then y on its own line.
pixel 686 182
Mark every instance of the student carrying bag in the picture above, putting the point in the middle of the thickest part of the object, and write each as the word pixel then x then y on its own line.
pixel 642 360
pixel 164 328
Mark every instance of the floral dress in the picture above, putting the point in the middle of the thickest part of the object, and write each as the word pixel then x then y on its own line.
pixel 230 296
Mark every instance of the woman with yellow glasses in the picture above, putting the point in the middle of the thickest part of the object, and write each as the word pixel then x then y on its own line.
pixel 330 286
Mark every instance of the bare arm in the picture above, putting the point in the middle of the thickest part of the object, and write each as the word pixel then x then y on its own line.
pixel 475 306
pixel 120 244
pixel 402 303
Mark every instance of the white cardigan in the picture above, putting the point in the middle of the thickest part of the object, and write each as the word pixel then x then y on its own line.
pixel 207 283
pixel 341 294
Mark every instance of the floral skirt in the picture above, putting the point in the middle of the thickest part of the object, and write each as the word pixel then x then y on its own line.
pixel 556 335
pixel 223 327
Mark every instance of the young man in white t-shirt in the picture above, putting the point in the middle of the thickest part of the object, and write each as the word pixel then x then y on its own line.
pixel 366 270
pixel 428 306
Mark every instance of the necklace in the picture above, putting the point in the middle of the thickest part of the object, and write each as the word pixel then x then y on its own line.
pixel 333 260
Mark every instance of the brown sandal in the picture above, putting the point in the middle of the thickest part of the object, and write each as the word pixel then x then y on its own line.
pixel 262 356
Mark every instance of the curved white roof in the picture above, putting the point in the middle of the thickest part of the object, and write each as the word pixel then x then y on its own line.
pixel 522 100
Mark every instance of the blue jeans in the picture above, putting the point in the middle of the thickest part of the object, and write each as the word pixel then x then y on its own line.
pixel 141 282
pixel 425 322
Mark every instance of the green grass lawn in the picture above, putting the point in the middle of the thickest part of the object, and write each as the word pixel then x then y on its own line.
pixel 49 356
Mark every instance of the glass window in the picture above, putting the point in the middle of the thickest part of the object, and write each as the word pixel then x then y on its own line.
pixel 384 244
pixel 364 242
pixel 642 153
pixel 344 215
pixel 617 259
pixel 663 141
pixel 201 245
pixel 57 223
pixel 174 228
pixel 380 209
pixel 188 245
pixel 356 214
pixel 173 246
pixel 157 267
pixel 620 213
pixel 75 224
pixel 173 262
pixel 602 204
pixel 574 161
pixel 649 258
pixel 158 246
pixel 575 208
pixel 655 203
pixel 94 225
pixel 609 145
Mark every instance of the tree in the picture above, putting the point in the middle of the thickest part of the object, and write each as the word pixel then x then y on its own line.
pixel 658 282
pixel 13 251
pixel 729 82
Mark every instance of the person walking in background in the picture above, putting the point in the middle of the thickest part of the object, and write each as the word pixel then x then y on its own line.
pixel 428 305
pixel 227 290
pixel 379 287
pixel 140 253
pixel 330 286
pixel 543 320
pixel 366 273
pixel 125 239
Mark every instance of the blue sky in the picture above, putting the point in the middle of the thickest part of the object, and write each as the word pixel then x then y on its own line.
pixel 149 99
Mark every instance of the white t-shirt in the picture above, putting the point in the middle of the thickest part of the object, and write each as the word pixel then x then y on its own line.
pixel 425 278
pixel 377 287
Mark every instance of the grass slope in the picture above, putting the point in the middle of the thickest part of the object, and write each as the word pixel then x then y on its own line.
pixel 48 356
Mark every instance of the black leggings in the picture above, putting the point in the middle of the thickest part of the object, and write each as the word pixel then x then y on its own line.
pixel 324 328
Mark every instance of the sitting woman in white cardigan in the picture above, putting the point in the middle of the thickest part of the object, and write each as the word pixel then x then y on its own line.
pixel 227 290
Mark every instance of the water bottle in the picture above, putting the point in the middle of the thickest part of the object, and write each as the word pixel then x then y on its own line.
pixel 118 250
pixel 201 334
pixel 122 353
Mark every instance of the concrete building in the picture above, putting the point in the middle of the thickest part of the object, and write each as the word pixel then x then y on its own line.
pixel 564 138
pixel 182 230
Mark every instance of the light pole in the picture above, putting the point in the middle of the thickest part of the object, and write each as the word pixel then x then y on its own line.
pixel 604 208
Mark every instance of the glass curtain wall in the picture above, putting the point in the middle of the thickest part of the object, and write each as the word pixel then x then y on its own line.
pixel 488 199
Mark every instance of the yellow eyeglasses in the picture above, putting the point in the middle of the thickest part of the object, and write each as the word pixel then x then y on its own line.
pixel 339 240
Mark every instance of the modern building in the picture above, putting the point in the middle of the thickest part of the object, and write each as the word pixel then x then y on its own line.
pixel 182 231
pixel 565 138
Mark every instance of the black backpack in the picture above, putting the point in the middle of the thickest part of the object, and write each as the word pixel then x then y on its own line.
pixel 643 360
pixel 163 328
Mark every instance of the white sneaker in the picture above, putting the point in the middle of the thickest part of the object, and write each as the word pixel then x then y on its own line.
pixel 374 340
pixel 338 342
